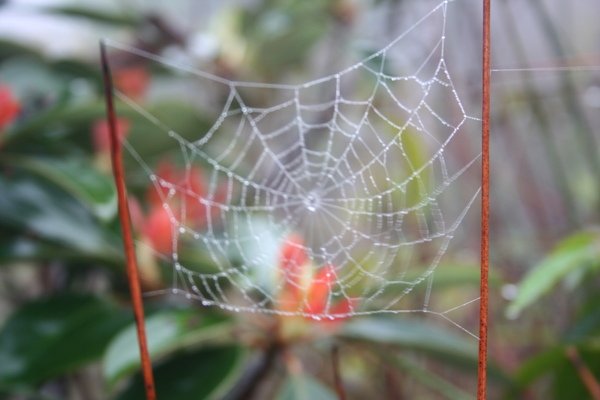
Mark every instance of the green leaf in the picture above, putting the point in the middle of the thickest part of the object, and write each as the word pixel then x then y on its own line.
pixel 26 249
pixel 586 328
pixel 566 382
pixel 36 207
pixel 149 141
pixel 29 74
pixel 579 251
pixel 52 336
pixel 80 179
pixel 15 248
pixel 200 374
pixel 415 334
pixel 303 387
pixel 72 69
pixel 167 332
pixel 424 337
pixel 95 15
pixel 451 275
pixel 428 378
pixel 539 365
pixel 25 393
pixel 280 34
pixel 10 49
pixel 415 149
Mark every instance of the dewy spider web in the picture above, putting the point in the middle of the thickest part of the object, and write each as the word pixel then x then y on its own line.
pixel 355 164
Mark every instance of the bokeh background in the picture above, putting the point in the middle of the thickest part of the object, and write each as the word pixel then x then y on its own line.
pixel 66 322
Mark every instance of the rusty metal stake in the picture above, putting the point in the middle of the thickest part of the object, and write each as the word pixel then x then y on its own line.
pixel 485 204
pixel 124 218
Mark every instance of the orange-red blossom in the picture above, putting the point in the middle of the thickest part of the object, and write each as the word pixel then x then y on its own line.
pixel 188 206
pixel 307 290
pixel 133 81
pixel 101 133
pixel 9 107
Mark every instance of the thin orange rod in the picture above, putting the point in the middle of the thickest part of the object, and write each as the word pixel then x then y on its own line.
pixel 485 204
pixel 124 217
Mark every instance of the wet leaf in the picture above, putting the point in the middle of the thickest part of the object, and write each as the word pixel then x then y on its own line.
pixel 78 178
pixel 55 335
pixel 37 208
pixel 167 332
pixel 199 374
pixel 303 387
pixel 580 251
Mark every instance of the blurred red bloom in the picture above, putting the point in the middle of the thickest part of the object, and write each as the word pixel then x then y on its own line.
pixel 304 289
pixel 190 198
pixel 157 229
pixel 195 192
pixel 292 259
pixel 101 133
pixel 135 213
pixel 9 107
pixel 132 81
pixel 167 172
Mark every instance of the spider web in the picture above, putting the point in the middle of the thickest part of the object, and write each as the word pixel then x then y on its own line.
pixel 355 164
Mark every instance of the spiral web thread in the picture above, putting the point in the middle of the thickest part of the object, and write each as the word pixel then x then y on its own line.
pixel 327 160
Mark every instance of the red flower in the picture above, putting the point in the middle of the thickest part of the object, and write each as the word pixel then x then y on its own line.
pixel 305 289
pixel 135 213
pixel 195 193
pixel 158 230
pixel 165 171
pixel 9 107
pixel 292 259
pixel 191 198
pixel 132 81
pixel 101 133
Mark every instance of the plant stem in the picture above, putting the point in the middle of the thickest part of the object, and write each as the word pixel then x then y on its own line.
pixel 337 378
pixel 584 372
pixel 246 387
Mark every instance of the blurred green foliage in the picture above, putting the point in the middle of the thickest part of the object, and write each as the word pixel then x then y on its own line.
pixel 74 323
